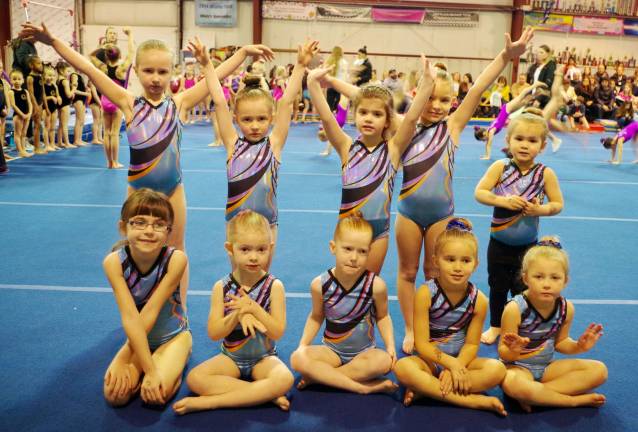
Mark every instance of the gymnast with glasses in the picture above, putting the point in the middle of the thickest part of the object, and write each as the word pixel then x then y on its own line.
pixel 144 273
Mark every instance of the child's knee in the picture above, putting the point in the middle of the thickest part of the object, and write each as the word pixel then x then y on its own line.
pixel 408 274
pixel 119 399
pixel 599 372
pixel 401 369
pixel 299 359
pixel 516 387
pixel 284 379
pixel 496 370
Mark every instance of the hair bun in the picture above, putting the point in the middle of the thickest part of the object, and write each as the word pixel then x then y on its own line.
pixel 460 224
pixel 550 241
pixel 252 81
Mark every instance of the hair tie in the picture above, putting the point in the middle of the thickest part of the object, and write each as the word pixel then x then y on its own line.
pixel 550 243
pixel 457 224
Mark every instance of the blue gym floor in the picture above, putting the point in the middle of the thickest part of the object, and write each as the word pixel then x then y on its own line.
pixel 60 324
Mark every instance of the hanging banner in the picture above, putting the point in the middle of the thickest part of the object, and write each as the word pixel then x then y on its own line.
pixel 551 22
pixel 327 12
pixel 414 16
pixel 216 13
pixel 445 18
pixel 601 26
pixel 288 10
pixel 631 27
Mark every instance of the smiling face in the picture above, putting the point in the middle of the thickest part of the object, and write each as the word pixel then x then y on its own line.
pixel 351 249
pixel 146 234
pixel 254 115
pixel 545 278
pixel 439 104
pixel 526 141
pixel 154 72
pixel 456 260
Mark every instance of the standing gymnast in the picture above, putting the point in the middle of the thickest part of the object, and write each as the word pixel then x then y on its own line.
pixel 20 101
pixel 153 120
pixel 52 101
pixel 144 274
pixel 426 201
pixel 516 188
pixel 369 163
pixel 449 312
pixel 35 86
pixel 535 324
pixel 351 299
pixel 254 157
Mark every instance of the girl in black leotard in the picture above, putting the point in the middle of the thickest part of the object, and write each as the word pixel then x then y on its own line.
pixel 34 86
pixel 21 104
pixel 51 101
pixel 79 103
pixel 66 94
pixel 96 113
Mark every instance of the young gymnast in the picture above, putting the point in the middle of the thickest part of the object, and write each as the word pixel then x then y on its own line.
pixel 4 104
pixel 487 134
pixel 449 312
pixel 20 101
pixel 254 157
pixel 154 119
pixel 369 163
pixel 247 311
pixel 615 143
pixel 35 88
pixel 426 200
pixel 535 324
pixel 66 96
pixel 52 101
pixel 95 104
pixel 81 95
pixel 107 60
pixel 351 299
pixel 144 273
pixel 516 188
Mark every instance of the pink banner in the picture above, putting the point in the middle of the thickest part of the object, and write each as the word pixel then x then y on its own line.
pixel 398 15
pixel 601 26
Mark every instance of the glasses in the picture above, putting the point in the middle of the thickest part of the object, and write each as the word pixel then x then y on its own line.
pixel 138 224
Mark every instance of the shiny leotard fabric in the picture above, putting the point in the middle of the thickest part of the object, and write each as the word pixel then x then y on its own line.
pixel 108 106
pixel 21 100
pixel 511 226
pixel 65 99
pixel 449 322
pixel 341 115
pixel 252 172
pixel 629 131
pixel 350 315
pixel 37 88
pixel 154 136
pixel 539 352
pixel 367 182
pixel 172 318
pixel 500 121
pixel 51 90
pixel 428 165
pixel 245 350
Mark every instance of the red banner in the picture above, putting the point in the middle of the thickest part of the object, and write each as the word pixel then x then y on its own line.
pixel 398 15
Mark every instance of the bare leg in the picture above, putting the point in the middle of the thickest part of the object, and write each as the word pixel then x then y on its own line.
pixel 319 364
pixel 376 257
pixel 96 127
pixel 115 139
pixel 218 390
pixel 409 238
pixel 80 113
pixel 108 121
pixel 558 387
pixel 63 127
pixel 52 131
pixel 415 374
pixel 118 394
pixel 37 126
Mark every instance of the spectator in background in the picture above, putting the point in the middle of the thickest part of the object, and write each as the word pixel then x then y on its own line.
pixel 572 72
pixel 601 73
pixel 519 85
pixel 22 51
pixel 392 82
pixel 544 68
pixel 586 90
pixel 604 97
pixel 618 79
pixel 362 68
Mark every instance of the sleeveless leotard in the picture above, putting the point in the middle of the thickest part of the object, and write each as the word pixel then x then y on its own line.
pixel 252 172
pixel 21 101
pixel 350 315
pixel 189 82
pixel 500 121
pixel 108 106
pixel 449 322
pixel 65 99
pixel 81 87
pixel 367 183
pixel 51 90
pixel 245 350
pixel 511 226
pixel 341 115
pixel 539 352
pixel 629 131
pixel 37 88
pixel 171 319
pixel 428 165
pixel 154 136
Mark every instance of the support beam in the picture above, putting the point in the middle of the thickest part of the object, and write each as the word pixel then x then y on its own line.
pixel 516 30
pixel 257 21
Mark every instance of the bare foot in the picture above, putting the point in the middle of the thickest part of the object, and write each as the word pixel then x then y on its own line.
pixel 410 397
pixel 590 399
pixel 616 162
pixel 40 152
pixel 324 153
pixel 71 146
pixel 381 386
pixel 190 404
pixel 282 402
pixel 303 383
pixel 487 403
pixel 489 336
pixel 117 165
pixel 408 342
pixel 484 157
pixel 25 154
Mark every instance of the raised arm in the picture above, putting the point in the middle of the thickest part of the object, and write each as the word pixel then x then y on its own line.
pixel 406 130
pixel 281 124
pixel 336 136
pixel 512 50
pixel 104 84
pixel 194 95
pixel 347 89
